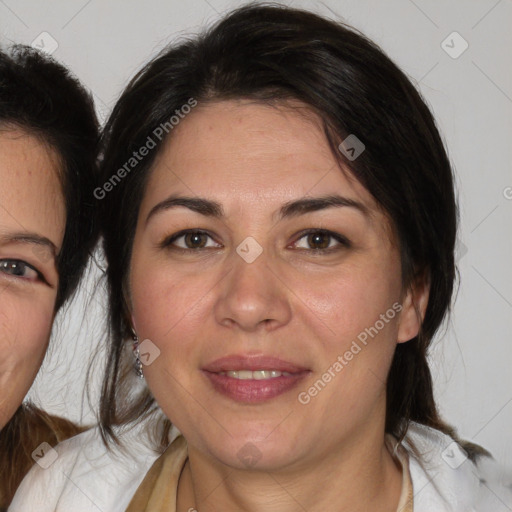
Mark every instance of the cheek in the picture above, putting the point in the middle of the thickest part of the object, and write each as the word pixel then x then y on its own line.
pixel 171 312
pixel 165 305
pixel 351 300
pixel 354 315
pixel 23 345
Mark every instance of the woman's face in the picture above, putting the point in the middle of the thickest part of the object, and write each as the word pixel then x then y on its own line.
pixel 253 291
pixel 32 218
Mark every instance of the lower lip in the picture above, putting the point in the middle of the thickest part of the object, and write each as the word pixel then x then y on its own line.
pixel 252 391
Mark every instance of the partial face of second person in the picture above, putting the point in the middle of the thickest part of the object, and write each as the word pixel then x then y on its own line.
pixel 32 221
pixel 293 309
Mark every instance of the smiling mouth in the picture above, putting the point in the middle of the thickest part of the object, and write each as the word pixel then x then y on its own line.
pixel 253 378
pixel 254 386
pixel 254 375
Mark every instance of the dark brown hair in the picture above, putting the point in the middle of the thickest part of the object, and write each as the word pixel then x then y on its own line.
pixel 272 54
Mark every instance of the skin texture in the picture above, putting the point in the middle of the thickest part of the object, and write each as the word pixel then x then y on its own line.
pixel 291 302
pixel 31 206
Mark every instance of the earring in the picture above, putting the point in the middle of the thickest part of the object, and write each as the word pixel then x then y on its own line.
pixel 136 353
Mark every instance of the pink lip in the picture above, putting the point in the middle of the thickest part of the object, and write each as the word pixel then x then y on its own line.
pixel 252 390
pixel 253 363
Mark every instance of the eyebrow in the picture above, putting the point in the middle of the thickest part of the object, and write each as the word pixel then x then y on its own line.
pixel 28 238
pixel 210 208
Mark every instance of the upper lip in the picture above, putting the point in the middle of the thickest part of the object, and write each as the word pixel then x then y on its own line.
pixel 252 362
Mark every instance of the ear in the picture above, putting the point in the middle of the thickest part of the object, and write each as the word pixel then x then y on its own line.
pixel 414 306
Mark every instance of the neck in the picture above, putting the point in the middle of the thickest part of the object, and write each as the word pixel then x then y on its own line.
pixel 360 476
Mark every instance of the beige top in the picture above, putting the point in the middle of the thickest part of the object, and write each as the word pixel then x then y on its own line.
pixel 158 490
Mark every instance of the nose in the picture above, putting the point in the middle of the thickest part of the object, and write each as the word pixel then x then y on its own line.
pixel 253 296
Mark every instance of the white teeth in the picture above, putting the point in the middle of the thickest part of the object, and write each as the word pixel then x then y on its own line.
pixel 254 375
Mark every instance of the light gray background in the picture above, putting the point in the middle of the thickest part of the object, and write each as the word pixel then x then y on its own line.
pixel 104 43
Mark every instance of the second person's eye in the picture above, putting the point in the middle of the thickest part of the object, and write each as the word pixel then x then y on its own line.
pixel 18 268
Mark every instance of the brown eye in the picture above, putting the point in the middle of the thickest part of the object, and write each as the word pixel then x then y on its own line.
pixel 319 240
pixel 322 240
pixel 188 240
pixel 194 240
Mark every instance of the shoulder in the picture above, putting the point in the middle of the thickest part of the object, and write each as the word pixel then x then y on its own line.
pixel 80 474
pixel 445 479
pixel 25 432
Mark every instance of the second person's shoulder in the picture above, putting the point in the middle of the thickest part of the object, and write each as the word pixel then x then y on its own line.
pixel 81 474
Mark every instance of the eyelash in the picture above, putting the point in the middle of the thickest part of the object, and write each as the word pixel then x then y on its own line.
pixel 343 241
pixel 20 263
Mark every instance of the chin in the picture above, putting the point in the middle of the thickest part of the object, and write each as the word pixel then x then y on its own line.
pixel 251 448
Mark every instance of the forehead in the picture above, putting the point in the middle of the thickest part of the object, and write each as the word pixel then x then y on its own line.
pixel 31 194
pixel 241 151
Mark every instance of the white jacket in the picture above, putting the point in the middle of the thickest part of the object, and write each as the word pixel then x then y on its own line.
pixel 82 476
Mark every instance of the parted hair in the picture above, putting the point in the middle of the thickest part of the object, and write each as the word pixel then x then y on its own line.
pixel 272 53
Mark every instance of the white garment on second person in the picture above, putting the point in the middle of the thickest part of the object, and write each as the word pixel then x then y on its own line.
pixel 86 477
